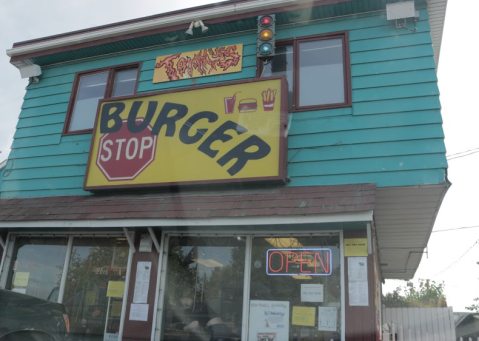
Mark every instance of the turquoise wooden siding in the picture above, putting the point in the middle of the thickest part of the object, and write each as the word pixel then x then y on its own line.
pixel 392 135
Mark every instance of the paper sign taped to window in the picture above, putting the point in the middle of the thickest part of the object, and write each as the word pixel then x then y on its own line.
pixel 115 289
pixel 304 316
pixel 21 279
pixel 311 293
pixel 110 337
pixel 327 318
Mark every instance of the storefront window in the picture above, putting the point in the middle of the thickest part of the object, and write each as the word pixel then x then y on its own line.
pixel 295 291
pixel 204 288
pixel 94 287
pixel 37 266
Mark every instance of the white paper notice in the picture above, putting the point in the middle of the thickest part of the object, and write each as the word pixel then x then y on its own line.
pixel 269 320
pixel 110 337
pixel 357 269
pixel 311 293
pixel 139 312
pixel 20 290
pixel 358 294
pixel 327 319
pixel 358 281
pixel 142 282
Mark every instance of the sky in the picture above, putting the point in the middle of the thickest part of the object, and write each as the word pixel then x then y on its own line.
pixel 452 256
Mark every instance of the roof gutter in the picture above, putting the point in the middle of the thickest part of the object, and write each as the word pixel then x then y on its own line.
pixel 122 29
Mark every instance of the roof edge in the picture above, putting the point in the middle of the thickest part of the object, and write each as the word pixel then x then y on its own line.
pixel 218 12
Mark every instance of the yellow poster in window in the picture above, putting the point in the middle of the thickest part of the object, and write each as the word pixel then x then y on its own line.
pixel 115 289
pixel 304 316
pixel 90 298
pixel 355 247
pixel 21 279
pixel 116 308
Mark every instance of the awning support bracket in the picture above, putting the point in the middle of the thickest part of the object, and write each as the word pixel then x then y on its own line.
pixel 130 240
pixel 2 243
pixel 154 239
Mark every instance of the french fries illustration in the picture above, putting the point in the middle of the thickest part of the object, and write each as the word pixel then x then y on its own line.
pixel 269 97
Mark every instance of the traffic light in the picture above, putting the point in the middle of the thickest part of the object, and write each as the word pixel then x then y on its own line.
pixel 266 37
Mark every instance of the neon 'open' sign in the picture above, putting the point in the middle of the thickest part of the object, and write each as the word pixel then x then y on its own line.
pixel 296 262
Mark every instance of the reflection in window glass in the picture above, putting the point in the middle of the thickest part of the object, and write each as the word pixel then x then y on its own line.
pixel 125 82
pixel 204 288
pixel 282 64
pixel 90 90
pixel 93 294
pixel 288 305
pixel 37 265
pixel 321 73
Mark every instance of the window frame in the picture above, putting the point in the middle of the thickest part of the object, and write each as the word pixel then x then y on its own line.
pixel 294 42
pixel 112 71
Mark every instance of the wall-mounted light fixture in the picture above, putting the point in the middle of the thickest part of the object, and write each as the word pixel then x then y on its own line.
pixel 197 24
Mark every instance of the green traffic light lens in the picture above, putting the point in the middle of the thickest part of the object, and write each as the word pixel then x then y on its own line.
pixel 266 49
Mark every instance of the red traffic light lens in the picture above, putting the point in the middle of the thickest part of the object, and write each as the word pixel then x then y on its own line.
pixel 266 34
pixel 266 20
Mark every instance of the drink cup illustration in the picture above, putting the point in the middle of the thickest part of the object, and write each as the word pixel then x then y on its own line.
pixel 230 103
pixel 269 97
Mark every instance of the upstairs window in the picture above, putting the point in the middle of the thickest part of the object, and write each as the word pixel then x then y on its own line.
pixel 317 69
pixel 93 86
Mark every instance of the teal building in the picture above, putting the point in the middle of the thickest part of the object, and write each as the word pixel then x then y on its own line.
pixel 213 214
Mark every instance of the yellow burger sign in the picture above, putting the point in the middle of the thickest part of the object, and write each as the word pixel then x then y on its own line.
pixel 223 133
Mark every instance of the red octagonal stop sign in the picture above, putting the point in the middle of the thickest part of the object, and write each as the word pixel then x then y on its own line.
pixel 123 155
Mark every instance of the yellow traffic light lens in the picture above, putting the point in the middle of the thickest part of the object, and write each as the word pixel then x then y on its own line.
pixel 266 35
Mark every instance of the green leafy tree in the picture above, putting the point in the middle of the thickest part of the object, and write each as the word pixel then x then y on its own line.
pixel 475 306
pixel 427 295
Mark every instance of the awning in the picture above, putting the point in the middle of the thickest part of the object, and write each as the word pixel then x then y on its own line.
pixel 240 203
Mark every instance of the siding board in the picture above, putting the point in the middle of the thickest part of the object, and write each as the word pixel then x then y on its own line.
pixel 398 91
pixel 386 67
pixel 39 131
pixel 40 121
pixel 65 148
pixel 378 164
pixel 397 105
pixel 49 161
pixel 392 54
pixel 359 151
pixel 43 140
pixel 367 136
pixel 383 179
pixel 397 78
pixel 317 125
